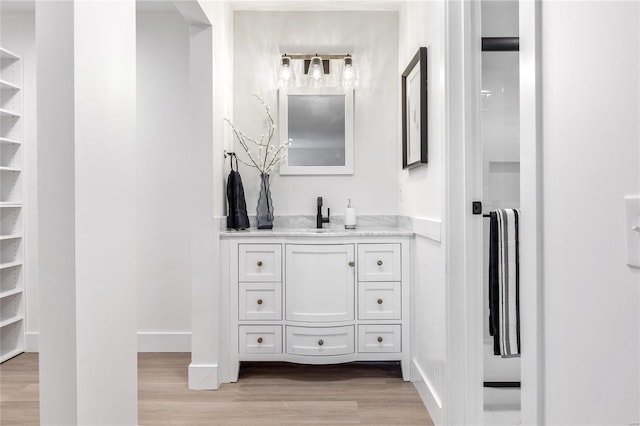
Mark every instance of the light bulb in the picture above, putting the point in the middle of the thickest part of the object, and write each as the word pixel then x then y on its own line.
pixel 348 76
pixel 316 70
pixel 287 77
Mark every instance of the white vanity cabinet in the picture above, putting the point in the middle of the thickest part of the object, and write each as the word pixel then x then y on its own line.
pixel 316 299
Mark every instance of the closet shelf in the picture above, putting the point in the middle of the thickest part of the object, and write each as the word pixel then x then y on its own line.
pixel 12 278
pixel 11 321
pixel 7 113
pixel 10 293
pixel 10 354
pixel 10 265
pixel 4 84
pixel 7 54
pixel 11 141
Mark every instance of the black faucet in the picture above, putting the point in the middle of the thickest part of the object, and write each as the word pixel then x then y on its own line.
pixel 319 219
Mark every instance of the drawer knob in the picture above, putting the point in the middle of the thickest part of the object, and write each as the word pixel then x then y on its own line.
pixel 259 263
pixel 260 339
pixel 380 301
pixel 259 301
pixel 352 264
pixel 379 262
pixel 320 342
pixel 380 339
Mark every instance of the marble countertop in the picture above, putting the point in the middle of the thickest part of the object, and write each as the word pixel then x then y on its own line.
pixel 319 233
pixel 304 226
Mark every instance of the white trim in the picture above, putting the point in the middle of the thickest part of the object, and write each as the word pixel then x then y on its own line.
pixel 531 174
pixel 283 123
pixel 463 399
pixel 430 397
pixel 203 376
pixel 148 341
pixel 428 228
pixel 31 341
pixel 316 6
pixel 474 390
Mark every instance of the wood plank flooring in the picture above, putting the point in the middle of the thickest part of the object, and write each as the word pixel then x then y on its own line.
pixel 266 394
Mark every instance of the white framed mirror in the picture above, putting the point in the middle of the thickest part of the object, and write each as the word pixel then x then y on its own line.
pixel 320 123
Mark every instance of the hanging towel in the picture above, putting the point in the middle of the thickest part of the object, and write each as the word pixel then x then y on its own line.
pixel 237 214
pixel 504 282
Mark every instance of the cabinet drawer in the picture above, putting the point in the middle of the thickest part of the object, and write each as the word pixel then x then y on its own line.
pixel 264 339
pixel 379 338
pixel 379 262
pixel 260 301
pixel 320 341
pixel 260 262
pixel 379 300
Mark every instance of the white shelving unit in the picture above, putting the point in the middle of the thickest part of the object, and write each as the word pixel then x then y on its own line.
pixel 12 327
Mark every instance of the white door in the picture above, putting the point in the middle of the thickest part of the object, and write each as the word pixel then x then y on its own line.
pixel 320 282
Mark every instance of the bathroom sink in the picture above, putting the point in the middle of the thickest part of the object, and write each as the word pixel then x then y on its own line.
pixel 318 230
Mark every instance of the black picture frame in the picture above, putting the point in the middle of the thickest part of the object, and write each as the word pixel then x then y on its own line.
pixel 414 111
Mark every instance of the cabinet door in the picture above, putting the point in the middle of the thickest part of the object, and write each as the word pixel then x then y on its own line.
pixel 320 282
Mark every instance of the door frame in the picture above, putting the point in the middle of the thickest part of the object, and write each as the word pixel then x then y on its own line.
pixel 531 203
pixel 463 230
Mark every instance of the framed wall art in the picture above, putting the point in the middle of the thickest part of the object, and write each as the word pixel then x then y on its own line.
pixel 414 111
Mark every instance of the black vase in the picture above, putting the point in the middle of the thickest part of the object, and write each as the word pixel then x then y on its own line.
pixel 264 211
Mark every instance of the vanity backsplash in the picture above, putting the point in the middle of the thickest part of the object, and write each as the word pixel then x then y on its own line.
pixel 404 223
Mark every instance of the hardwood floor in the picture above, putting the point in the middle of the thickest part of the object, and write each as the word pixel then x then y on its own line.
pixel 266 394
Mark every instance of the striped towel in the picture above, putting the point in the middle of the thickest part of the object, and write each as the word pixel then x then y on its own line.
pixel 504 282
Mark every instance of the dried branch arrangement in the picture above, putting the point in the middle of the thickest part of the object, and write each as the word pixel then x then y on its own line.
pixel 262 154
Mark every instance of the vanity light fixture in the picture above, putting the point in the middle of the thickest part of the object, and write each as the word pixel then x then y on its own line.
pixel 287 77
pixel 316 69
pixel 348 76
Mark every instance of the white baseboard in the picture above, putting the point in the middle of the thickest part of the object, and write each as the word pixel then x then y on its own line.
pixel 148 341
pixel 31 342
pixel 203 376
pixel 430 397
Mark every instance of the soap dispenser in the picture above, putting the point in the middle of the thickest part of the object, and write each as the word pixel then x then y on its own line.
pixel 350 217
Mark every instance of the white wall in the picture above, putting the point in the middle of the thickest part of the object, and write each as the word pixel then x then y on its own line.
pixel 591 105
pixel 372 39
pixel 87 216
pixel 164 321
pixel 422 188
pixel 422 198
pixel 56 219
pixel 18 35
pixel 164 267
